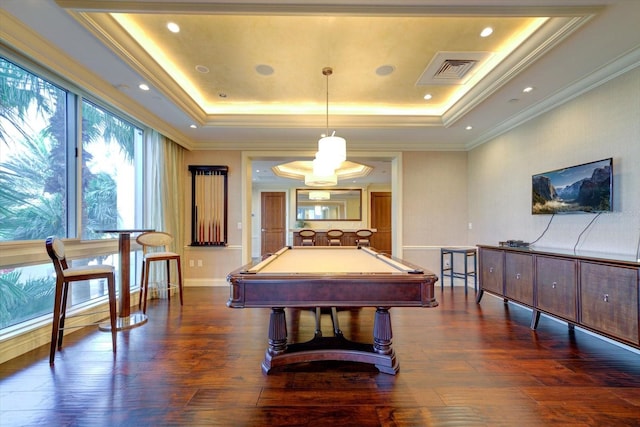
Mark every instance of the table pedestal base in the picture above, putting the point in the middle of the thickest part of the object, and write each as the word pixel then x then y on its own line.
pixel 380 353
pixel 331 348
pixel 124 323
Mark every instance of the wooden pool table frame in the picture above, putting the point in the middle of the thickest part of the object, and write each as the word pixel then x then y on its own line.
pixel 412 287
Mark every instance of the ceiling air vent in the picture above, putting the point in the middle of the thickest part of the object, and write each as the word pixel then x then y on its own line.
pixel 451 68
pixel 454 69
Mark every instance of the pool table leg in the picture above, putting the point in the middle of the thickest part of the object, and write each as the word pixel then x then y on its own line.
pixel 277 331
pixel 382 334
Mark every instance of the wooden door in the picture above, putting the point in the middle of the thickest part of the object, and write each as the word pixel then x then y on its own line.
pixel 273 221
pixel 381 220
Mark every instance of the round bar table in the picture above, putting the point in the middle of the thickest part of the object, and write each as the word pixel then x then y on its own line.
pixel 126 319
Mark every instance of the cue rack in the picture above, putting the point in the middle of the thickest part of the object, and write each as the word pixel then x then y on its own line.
pixel 208 205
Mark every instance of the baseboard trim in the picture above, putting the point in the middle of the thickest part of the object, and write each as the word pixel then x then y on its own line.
pixel 205 282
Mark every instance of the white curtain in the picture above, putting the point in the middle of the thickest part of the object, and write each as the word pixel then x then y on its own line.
pixel 164 186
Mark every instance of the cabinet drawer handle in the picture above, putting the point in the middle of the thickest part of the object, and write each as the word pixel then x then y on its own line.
pixel 490 269
pixel 606 298
pixel 518 276
pixel 554 284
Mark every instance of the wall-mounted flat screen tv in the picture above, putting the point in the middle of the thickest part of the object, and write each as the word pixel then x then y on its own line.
pixel 581 188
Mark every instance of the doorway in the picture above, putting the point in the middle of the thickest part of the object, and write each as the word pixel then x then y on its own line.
pixel 381 221
pixel 251 236
pixel 273 220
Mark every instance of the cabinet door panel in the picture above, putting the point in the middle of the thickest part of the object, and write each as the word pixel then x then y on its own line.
pixel 556 286
pixel 609 298
pixel 519 277
pixel 491 270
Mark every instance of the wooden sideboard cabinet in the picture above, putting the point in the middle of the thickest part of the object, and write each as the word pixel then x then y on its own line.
pixel 492 270
pixel 557 286
pixel 609 299
pixel 518 278
pixel 594 292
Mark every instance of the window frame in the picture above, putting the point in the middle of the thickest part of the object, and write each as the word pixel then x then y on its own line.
pixel 24 253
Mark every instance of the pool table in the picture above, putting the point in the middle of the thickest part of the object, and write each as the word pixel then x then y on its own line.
pixel 326 278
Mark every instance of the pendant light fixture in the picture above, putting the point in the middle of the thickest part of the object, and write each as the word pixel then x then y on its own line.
pixel 332 150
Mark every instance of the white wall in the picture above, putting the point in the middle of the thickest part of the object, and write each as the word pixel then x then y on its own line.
pixel 602 123
pixel 434 211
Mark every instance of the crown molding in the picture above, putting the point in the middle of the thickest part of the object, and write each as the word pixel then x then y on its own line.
pixel 610 71
pixel 335 7
pixel 27 43
pixel 553 32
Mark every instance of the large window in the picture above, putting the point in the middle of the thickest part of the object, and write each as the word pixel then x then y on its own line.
pixel 33 156
pixel 108 171
pixel 68 167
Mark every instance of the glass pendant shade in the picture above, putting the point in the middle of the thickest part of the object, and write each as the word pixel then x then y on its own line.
pixel 323 167
pixel 332 149
pixel 312 180
pixel 319 195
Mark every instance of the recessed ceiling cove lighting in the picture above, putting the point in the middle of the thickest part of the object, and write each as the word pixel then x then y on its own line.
pixel 264 70
pixel 143 86
pixel 385 70
pixel 202 69
pixel 486 32
pixel 173 27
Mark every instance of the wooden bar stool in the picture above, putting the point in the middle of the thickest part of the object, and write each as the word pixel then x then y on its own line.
pixel 81 275
pixel 308 237
pixel 155 247
pixel 363 236
pixel 335 237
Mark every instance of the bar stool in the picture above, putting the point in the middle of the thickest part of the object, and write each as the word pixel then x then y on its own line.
pixel 335 237
pixel 308 237
pixel 465 274
pixel 64 276
pixel 155 246
pixel 362 237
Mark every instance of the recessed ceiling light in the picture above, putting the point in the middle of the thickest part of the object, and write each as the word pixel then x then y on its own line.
pixel 143 86
pixel 428 96
pixel 222 95
pixel 193 126
pixel 385 70
pixel 486 32
pixel 173 27
pixel 527 89
pixel 264 70
pixel 202 69
pixel 469 127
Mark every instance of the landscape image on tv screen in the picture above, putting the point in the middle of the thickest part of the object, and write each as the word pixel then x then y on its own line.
pixel 580 188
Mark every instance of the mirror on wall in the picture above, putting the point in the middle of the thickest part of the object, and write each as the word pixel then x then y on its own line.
pixel 335 204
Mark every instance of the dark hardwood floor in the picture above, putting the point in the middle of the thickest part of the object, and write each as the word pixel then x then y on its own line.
pixel 461 364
